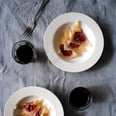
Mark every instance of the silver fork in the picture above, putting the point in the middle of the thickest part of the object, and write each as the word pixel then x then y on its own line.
pixel 28 31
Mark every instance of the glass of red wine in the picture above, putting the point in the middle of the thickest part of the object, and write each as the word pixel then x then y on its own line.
pixel 80 98
pixel 23 52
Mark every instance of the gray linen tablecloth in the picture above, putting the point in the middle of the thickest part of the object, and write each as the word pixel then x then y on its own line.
pixel 100 79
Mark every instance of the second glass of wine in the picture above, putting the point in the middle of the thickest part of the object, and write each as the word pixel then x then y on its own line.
pixel 80 98
pixel 23 52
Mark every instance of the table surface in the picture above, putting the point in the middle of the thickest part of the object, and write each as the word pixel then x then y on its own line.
pixel 100 79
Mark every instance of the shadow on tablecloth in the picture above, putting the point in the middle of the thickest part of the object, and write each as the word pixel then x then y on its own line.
pixel 108 51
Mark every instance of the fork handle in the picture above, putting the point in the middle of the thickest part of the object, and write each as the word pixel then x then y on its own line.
pixel 44 3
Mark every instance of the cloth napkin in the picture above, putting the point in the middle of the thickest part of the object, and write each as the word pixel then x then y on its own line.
pixel 100 79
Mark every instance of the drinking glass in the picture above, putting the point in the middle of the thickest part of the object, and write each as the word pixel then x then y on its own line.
pixel 80 98
pixel 23 52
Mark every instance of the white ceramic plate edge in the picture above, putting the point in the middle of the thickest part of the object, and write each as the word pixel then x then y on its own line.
pixel 56 60
pixel 52 97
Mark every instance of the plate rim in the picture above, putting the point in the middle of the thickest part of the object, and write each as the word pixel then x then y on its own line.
pixel 57 61
pixel 58 105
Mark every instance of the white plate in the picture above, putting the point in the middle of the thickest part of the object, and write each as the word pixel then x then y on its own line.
pixel 31 92
pixel 93 33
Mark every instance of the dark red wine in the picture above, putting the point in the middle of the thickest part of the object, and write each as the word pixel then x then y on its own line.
pixel 80 98
pixel 24 53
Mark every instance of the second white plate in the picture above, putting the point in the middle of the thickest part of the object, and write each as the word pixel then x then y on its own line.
pixel 34 93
